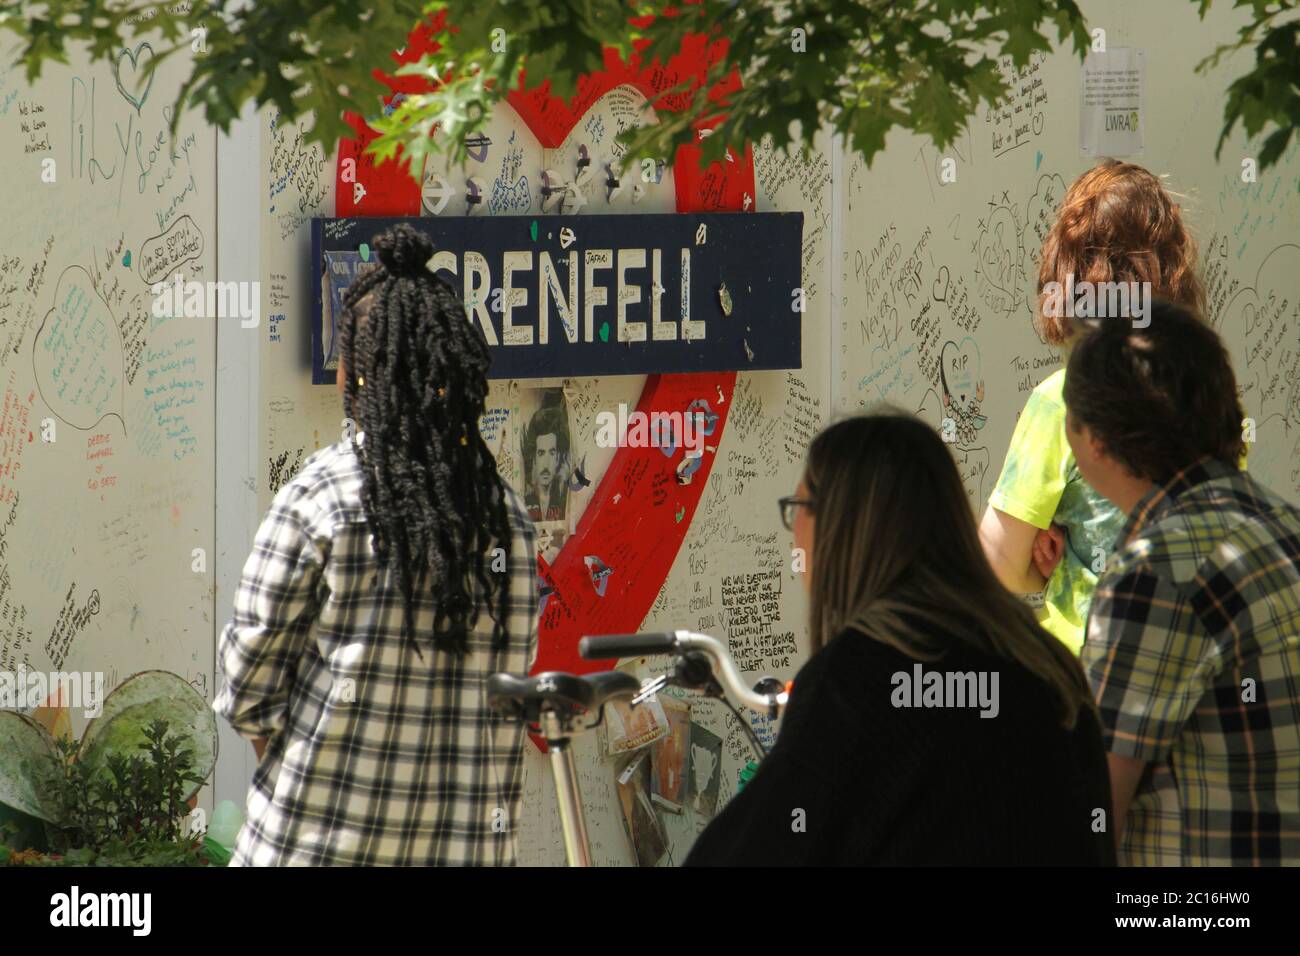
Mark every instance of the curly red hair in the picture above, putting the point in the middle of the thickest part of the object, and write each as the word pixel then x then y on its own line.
pixel 1117 223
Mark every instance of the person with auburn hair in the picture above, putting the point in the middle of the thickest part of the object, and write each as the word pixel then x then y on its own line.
pixel 935 722
pixel 1046 531
pixel 1193 643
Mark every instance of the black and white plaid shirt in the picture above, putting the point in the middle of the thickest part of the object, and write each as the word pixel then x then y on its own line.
pixel 377 756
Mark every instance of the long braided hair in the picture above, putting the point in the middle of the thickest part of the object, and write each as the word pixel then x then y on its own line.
pixel 416 384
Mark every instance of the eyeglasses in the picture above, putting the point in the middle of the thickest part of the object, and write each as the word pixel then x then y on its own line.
pixel 788 506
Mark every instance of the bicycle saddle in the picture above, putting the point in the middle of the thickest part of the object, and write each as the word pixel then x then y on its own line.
pixel 526 697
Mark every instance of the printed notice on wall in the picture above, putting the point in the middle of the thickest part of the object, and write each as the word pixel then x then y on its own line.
pixel 1111 94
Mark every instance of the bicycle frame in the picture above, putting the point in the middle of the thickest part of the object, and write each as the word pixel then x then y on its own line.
pixel 573 821
pixel 564 771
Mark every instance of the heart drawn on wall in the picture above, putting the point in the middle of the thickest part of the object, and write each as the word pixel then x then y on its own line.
pixel 611 569
pixel 134 81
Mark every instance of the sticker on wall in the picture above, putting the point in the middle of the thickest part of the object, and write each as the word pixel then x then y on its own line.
pixel 599 572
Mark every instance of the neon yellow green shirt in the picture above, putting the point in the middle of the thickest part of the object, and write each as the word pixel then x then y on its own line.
pixel 1040 484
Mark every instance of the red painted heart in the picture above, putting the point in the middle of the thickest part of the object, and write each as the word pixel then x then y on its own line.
pixel 611 569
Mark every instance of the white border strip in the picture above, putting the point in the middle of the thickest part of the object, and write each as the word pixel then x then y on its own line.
pixel 238 260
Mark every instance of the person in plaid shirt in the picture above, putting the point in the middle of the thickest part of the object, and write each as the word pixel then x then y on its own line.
pixel 1193 640
pixel 357 654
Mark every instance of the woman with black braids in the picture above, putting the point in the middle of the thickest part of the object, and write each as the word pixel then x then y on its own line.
pixel 391 576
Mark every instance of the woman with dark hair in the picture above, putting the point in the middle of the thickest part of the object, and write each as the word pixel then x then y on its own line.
pixel 1046 532
pixel 393 573
pixel 936 722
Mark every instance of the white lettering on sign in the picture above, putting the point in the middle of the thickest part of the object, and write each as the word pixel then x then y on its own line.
pixel 636 286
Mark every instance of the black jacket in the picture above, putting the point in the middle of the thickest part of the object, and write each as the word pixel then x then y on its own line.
pixel 854 779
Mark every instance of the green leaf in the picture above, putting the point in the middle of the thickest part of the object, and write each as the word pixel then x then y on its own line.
pixel 870 66
pixel 940 114
pixel 1274 146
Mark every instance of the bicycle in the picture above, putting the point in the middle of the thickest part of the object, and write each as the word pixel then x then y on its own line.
pixel 555 703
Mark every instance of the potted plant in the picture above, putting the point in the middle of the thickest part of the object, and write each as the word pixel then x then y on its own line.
pixel 120 796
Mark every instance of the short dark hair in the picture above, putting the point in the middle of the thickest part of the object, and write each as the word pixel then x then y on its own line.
pixel 549 420
pixel 1159 398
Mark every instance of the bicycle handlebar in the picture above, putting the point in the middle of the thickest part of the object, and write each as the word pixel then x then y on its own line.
pixel 677 642
pixel 626 645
